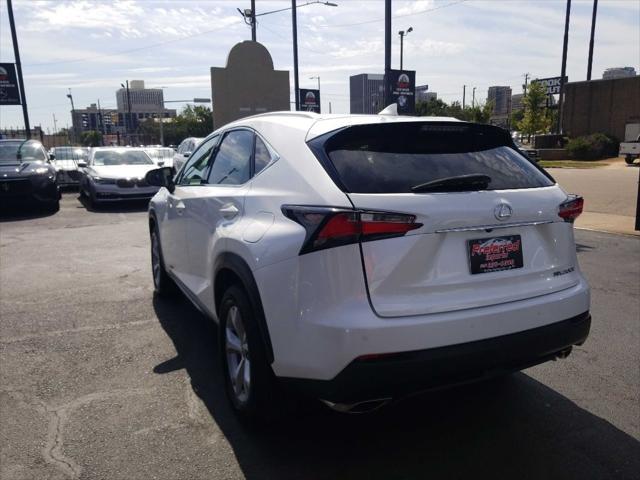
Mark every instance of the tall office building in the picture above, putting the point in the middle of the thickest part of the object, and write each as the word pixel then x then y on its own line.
pixel 619 72
pixel 366 93
pixel 143 100
pixel 500 98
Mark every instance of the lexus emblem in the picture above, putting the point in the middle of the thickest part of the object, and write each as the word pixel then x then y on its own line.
pixel 503 211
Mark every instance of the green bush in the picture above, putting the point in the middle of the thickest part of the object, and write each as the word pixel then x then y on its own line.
pixel 592 147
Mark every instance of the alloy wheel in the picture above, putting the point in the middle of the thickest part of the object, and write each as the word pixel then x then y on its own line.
pixel 155 259
pixel 237 352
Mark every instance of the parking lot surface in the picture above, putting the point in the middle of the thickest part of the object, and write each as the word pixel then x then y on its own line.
pixel 100 380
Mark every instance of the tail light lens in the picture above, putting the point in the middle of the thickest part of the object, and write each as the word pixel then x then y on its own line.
pixel 333 227
pixel 571 208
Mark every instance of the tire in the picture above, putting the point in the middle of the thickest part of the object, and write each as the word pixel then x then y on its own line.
pixel 255 397
pixel 629 159
pixel 52 206
pixel 163 284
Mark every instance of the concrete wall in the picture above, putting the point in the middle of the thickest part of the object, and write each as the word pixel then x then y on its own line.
pixel 604 106
pixel 248 85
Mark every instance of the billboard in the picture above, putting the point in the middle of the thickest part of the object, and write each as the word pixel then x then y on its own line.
pixel 552 84
pixel 9 91
pixel 309 100
pixel 401 85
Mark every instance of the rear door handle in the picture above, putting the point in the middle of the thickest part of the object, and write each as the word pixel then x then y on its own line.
pixel 229 210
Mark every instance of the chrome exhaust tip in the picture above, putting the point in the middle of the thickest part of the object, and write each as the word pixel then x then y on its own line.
pixel 366 406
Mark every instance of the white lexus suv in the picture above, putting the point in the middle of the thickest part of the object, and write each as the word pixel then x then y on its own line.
pixel 360 258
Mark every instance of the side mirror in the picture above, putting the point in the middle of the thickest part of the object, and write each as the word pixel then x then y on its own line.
pixel 161 177
pixel 187 154
pixel 160 163
pixel 82 164
pixel 52 156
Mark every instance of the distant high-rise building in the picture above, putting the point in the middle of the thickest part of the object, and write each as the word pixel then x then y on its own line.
pixel 500 98
pixel 366 93
pixel 517 102
pixel 619 72
pixel 144 100
pixel 423 95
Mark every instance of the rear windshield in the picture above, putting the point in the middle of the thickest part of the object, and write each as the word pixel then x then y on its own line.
pixel 392 158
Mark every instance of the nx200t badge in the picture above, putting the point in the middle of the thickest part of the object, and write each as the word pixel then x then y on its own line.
pixel 503 211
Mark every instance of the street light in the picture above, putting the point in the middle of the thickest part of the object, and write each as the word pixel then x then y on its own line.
pixel 294 21
pixel 402 34
pixel 73 112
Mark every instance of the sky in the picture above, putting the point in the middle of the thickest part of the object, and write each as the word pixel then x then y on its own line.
pixel 92 46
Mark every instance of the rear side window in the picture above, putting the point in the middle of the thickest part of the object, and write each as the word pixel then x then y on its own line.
pixel 392 158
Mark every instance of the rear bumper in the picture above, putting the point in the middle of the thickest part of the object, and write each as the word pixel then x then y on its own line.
pixel 399 374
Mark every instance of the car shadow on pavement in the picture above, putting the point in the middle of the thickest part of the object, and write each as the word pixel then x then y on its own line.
pixel 514 427
pixel 10 213
pixel 123 206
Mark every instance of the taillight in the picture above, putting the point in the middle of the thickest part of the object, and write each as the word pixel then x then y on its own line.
pixel 333 227
pixel 571 208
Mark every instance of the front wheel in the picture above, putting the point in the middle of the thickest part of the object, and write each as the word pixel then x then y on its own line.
pixel 629 159
pixel 250 383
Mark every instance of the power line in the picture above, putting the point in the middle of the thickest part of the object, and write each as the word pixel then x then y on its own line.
pixel 365 22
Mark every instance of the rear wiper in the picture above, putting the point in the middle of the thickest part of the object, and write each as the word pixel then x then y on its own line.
pixel 459 183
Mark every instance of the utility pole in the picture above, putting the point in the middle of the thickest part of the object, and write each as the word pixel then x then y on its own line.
pixel 565 46
pixel 16 54
pixel 294 22
pixel 402 34
pixel 387 51
pixel 73 114
pixel 101 123
pixel 593 32
pixel 473 98
pixel 253 20
pixel 55 125
pixel 464 95
pixel 329 107
pixel 526 83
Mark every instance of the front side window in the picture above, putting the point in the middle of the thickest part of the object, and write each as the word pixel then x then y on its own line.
pixel 232 163
pixel 194 172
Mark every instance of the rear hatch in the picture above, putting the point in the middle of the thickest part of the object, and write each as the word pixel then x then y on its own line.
pixel 490 231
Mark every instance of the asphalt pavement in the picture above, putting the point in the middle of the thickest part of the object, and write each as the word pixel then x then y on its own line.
pixel 100 380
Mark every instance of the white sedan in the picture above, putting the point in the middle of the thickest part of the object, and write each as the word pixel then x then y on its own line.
pixel 115 174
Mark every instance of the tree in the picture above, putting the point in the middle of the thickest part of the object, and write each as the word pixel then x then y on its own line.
pixel 192 121
pixel 535 119
pixel 433 108
pixel 92 138
pixel 438 108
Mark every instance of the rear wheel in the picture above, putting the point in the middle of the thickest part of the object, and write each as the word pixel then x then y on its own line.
pixel 162 282
pixel 250 384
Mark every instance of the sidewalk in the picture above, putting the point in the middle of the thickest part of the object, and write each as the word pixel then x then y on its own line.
pixel 609 193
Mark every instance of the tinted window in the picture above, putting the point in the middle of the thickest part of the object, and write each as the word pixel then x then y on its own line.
pixel 194 172
pixel 394 157
pixel 232 163
pixel 263 155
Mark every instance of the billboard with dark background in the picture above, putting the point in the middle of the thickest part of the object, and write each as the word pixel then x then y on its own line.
pixel 9 92
pixel 309 100
pixel 401 85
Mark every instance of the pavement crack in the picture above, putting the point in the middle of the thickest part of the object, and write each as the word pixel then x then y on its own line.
pixel 58 418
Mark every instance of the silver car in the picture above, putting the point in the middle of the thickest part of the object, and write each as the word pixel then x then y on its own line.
pixel 115 174
pixel 185 149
